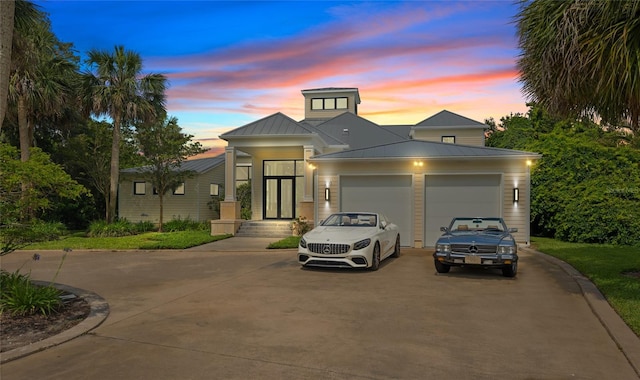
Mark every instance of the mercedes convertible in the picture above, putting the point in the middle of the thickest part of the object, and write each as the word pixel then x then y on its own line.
pixel 350 240
pixel 482 242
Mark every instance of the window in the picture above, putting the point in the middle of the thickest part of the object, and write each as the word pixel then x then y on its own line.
pixel 214 189
pixel 243 175
pixel 179 190
pixel 139 188
pixel 449 139
pixel 329 104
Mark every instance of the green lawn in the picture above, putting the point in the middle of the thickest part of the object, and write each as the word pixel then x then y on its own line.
pixel 149 240
pixel 609 267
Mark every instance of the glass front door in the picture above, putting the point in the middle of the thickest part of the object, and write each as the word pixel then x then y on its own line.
pixel 279 197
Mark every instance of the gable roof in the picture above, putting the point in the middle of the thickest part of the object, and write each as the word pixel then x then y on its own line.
pixel 446 119
pixel 278 124
pixel 356 131
pixel 200 165
pixel 411 149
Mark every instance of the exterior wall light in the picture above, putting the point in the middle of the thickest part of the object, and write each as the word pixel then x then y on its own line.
pixel 516 194
pixel 327 194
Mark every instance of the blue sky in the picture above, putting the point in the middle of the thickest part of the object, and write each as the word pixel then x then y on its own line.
pixel 233 62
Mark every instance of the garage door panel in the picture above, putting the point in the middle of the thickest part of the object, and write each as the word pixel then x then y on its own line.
pixel 448 196
pixel 387 194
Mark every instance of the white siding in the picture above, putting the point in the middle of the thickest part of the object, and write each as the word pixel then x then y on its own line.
pixel 467 136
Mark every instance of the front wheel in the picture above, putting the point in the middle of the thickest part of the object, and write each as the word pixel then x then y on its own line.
pixel 375 260
pixel 440 267
pixel 396 250
pixel 511 270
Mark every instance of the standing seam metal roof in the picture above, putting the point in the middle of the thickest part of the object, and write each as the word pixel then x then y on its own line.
pixel 423 149
pixel 199 165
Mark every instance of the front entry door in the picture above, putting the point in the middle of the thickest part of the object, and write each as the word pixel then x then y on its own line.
pixel 279 198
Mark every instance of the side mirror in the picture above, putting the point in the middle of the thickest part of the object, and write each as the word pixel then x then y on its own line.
pixel 513 230
pixel 383 225
pixel 444 229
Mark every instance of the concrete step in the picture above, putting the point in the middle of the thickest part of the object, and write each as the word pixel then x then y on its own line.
pixel 264 228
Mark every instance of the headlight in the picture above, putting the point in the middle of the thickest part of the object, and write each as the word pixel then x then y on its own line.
pixel 443 247
pixel 361 244
pixel 303 243
pixel 506 249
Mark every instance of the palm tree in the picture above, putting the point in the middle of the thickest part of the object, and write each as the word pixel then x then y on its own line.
pixel 19 16
pixel 116 88
pixel 41 81
pixel 582 58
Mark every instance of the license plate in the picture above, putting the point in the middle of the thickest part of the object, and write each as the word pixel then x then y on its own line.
pixel 473 260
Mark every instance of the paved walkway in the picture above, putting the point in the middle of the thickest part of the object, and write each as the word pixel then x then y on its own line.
pixel 234 310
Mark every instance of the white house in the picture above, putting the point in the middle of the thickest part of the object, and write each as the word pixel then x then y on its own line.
pixel 420 175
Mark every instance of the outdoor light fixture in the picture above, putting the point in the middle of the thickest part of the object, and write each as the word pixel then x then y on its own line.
pixel 327 194
pixel 516 194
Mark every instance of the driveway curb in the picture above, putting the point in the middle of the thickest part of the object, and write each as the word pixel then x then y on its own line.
pixel 626 340
pixel 98 313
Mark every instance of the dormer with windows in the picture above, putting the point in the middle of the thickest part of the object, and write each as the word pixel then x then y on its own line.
pixel 326 103
pixel 451 128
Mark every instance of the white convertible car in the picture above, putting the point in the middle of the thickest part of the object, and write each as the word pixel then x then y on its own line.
pixel 350 240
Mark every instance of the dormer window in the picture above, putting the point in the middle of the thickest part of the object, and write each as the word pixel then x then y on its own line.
pixel 448 139
pixel 329 103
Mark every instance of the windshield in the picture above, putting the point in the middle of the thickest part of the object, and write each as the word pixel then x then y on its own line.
pixel 351 220
pixel 477 224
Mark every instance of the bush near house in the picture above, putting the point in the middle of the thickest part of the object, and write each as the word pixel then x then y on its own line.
pixel 586 186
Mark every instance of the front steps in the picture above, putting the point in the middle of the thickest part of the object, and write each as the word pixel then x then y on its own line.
pixel 265 228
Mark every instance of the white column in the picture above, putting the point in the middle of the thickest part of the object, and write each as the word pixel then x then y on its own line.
pixel 230 174
pixel 308 174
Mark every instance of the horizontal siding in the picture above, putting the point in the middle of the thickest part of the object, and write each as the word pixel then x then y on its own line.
pixel 192 205
pixel 512 171
pixel 474 137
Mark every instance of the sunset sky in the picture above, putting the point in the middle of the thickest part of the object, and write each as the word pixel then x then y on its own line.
pixel 231 63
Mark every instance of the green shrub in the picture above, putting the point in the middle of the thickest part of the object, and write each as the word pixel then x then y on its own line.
pixel 45 231
pixel 118 228
pixel 18 295
pixel 586 186
pixel 145 226
pixel 179 224
pixel 300 226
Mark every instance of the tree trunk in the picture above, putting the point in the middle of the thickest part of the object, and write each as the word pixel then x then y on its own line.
pixel 23 128
pixel 115 170
pixel 7 13
pixel 161 197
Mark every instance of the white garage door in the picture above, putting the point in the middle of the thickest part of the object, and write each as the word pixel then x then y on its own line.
pixel 387 194
pixel 448 196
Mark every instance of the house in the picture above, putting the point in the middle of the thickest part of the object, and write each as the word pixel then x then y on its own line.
pixel 420 175
pixel 138 201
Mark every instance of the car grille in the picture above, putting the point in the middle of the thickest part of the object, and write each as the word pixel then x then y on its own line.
pixel 469 248
pixel 328 249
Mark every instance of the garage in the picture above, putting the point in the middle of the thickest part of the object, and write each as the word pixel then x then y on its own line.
pixel 391 195
pixel 448 196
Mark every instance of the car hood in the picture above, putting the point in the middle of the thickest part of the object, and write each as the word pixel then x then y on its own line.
pixel 475 237
pixel 338 234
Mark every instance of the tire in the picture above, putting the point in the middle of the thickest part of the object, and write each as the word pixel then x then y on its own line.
pixel 375 263
pixel 396 250
pixel 511 270
pixel 440 267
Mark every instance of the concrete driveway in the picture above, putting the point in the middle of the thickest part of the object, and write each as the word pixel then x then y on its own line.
pixel 230 310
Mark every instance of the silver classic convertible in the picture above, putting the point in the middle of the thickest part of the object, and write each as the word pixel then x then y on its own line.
pixel 350 240
pixel 484 242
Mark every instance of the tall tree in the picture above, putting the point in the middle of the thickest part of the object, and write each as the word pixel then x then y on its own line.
pixel 164 148
pixel 7 11
pixel 582 58
pixel 42 76
pixel 115 87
